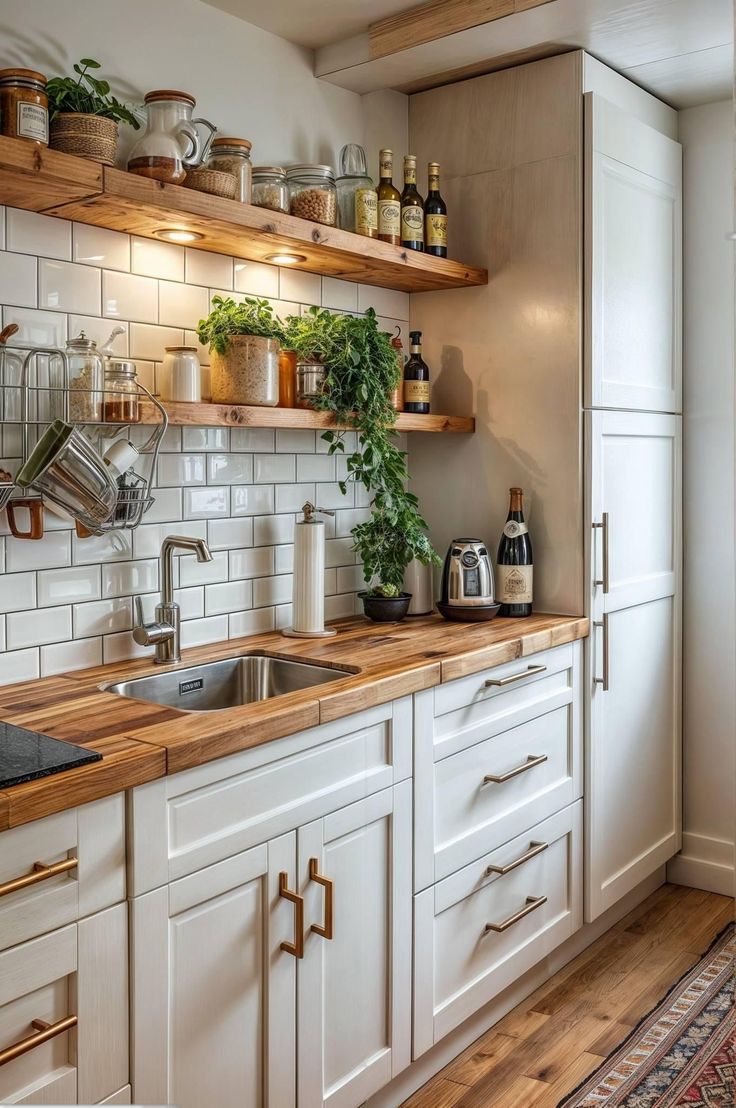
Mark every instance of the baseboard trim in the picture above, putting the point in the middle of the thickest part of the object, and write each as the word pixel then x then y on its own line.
pixel 704 863
pixel 419 1072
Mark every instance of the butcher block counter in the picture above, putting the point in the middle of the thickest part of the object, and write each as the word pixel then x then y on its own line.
pixel 139 741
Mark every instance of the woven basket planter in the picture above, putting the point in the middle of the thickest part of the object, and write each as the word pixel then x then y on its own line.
pixel 86 136
pixel 213 181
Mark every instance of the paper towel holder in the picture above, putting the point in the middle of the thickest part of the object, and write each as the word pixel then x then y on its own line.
pixel 308 589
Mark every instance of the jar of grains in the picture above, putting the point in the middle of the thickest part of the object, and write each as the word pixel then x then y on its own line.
pixel 312 193
pixel 247 372
pixel 24 105
pixel 86 380
pixel 121 392
pixel 270 189
pixel 232 155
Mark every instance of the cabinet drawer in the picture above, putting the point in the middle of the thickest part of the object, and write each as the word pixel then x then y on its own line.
pixel 180 824
pixel 480 929
pixel 61 868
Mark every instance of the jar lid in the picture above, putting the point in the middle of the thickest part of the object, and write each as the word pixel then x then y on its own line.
pixel 304 170
pixel 121 366
pixel 18 76
pixel 81 343
pixel 168 94
pixel 352 161
pixel 180 349
pixel 269 170
pixel 220 141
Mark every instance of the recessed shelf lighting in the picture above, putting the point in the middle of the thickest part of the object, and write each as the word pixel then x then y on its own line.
pixel 286 259
pixel 177 234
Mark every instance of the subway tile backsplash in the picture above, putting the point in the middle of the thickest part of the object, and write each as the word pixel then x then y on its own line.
pixel 66 603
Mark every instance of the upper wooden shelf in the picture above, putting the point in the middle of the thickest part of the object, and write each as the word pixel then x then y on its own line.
pixel 57 184
pixel 240 415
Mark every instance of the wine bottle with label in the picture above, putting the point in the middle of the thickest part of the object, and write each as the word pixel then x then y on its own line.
pixel 416 378
pixel 435 215
pixel 514 562
pixel 412 208
pixel 389 202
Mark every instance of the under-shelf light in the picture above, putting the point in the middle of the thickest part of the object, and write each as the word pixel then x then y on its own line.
pixel 286 259
pixel 177 234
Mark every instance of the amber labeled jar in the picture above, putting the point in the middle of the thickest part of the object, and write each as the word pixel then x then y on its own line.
pixel 24 105
pixel 287 379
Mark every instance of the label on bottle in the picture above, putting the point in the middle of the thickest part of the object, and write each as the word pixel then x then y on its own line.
pixel 412 224
pixel 512 529
pixel 389 217
pixel 386 163
pixel 436 230
pixel 514 584
pixel 32 122
pixel 416 392
pixel 366 212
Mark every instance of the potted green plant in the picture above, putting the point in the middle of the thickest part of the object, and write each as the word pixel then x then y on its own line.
pixel 244 341
pixel 311 337
pixel 84 116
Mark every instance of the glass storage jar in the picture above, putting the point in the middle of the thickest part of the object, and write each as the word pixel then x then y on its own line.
pixel 121 392
pixel 312 193
pixel 353 177
pixel 24 105
pixel 270 188
pixel 232 155
pixel 86 380
pixel 171 143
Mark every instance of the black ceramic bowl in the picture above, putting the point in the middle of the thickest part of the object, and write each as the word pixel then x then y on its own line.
pixel 385 609
pixel 461 614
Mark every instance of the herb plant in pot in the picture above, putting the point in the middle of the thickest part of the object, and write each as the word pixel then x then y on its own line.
pixel 84 116
pixel 244 341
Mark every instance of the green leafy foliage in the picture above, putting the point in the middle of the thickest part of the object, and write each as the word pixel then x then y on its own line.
pixel 87 94
pixel 252 317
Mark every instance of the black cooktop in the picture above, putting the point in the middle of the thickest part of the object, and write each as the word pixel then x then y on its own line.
pixel 26 755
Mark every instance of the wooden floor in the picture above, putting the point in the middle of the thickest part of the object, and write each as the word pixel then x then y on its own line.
pixel 544 1048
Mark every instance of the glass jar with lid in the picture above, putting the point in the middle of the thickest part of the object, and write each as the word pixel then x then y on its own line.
pixel 353 177
pixel 312 193
pixel 121 392
pixel 24 105
pixel 270 188
pixel 232 155
pixel 86 380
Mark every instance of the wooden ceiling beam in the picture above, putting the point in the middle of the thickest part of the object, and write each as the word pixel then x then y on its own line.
pixel 435 19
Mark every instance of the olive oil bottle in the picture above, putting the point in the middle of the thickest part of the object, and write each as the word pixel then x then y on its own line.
pixel 435 215
pixel 412 208
pixel 389 202
pixel 416 378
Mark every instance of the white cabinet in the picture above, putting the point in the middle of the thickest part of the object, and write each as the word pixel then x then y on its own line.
pixel 632 792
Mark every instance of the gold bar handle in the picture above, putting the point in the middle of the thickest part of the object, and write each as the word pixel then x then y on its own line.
pixel 499 778
pixel 532 852
pixel 297 947
pixel 499 682
pixel 603 681
pixel 325 929
pixel 532 903
pixel 44 1032
pixel 603 525
pixel 40 872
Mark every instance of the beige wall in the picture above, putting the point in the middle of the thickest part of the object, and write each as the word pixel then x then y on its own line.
pixel 509 352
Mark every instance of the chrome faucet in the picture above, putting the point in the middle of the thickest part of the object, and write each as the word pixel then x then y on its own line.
pixel 163 633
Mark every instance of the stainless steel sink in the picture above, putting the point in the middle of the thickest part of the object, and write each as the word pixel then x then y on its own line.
pixel 213 686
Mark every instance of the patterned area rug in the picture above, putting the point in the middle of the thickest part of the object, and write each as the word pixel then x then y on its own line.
pixel 683 1054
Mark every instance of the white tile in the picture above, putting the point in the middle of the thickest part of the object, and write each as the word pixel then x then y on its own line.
pixel 166 506
pixel 50 552
pixel 191 338
pixel 272 590
pixel 130 578
pixel 252 500
pixel 347 438
pixel 292 440
pixel 328 495
pixel 206 438
pixel 350 578
pixel 149 342
pixel 227 534
pixel 192 572
pixel 37 328
pixel 2 633
pixel 66 656
pixel 254 562
pixel 391 326
pixel 151 258
pixel 268 468
pixel 2 228
pixel 37 627
pixel 341 606
pixel 211 502
pixel 181 469
pixel 315 467
pixel 115 546
pixel 230 469
pixel 116 648
pixel 18 279
pixel 99 330
pixel 146 374
pixel 68 586
pixel 340 296
pixel 346 520
pixel 272 530
pixel 101 247
pixel 290 498
pixel 231 596
pixel 181 305
pixel 128 296
pixel 386 302
pixel 282 616
pixel 252 438
pixel 31 233
pixel 205 268
pixel 283 559
pixel 330 585
pixel 147 538
pixel 66 287
pixel 190 601
pixel 197 632
pixel 19 665
pixel 304 288
pixel 339 552
pixel 363 495
pixel 102 617
pixel 256 278
pixel 251 623
pixel 17 591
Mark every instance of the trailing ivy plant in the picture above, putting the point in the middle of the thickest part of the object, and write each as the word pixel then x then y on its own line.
pixel 227 318
pixel 87 94
pixel 362 372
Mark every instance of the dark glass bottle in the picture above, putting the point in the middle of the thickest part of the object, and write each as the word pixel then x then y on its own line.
pixel 389 201
pixel 514 562
pixel 435 215
pixel 416 378
pixel 412 208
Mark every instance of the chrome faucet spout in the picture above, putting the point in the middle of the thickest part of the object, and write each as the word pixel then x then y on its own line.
pixel 164 631
pixel 170 544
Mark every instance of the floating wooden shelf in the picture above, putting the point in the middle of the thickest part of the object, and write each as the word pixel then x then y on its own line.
pixel 240 415
pixel 72 188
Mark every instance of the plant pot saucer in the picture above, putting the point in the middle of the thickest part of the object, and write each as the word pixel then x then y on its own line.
pixel 471 614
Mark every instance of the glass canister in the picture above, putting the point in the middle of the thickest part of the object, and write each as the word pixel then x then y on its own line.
pixel 121 392
pixel 24 105
pixel 171 144
pixel 232 155
pixel 311 377
pixel 270 188
pixel 312 193
pixel 86 380
pixel 182 375
pixel 353 176
pixel 247 373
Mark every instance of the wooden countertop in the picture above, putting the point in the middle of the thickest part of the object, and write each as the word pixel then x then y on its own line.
pixel 140 741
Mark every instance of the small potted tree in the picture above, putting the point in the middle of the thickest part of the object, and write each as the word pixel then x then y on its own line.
pixel 244 341
pixel 84 116
pixel 386 543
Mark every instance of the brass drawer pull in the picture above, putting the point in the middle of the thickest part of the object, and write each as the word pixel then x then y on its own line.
pixel 499 682
pixel 532 903
pixel 44 1032
pixel 603 681
pixel 297 947
pixel 532 852
pixel 325 929
pixel 40 872
pixel 603 525
pixel 499 778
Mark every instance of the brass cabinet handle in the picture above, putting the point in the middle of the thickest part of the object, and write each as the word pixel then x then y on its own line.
pixel 44 1032
pixel 40 872
pixel 499 682
pixel 297 947
pixel 534 849
pixel 326 929
pixel 499 778
pixel 532 903
pixel 603 681
pixel 603 525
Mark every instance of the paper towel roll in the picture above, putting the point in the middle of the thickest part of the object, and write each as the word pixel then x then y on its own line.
pixel 309 578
